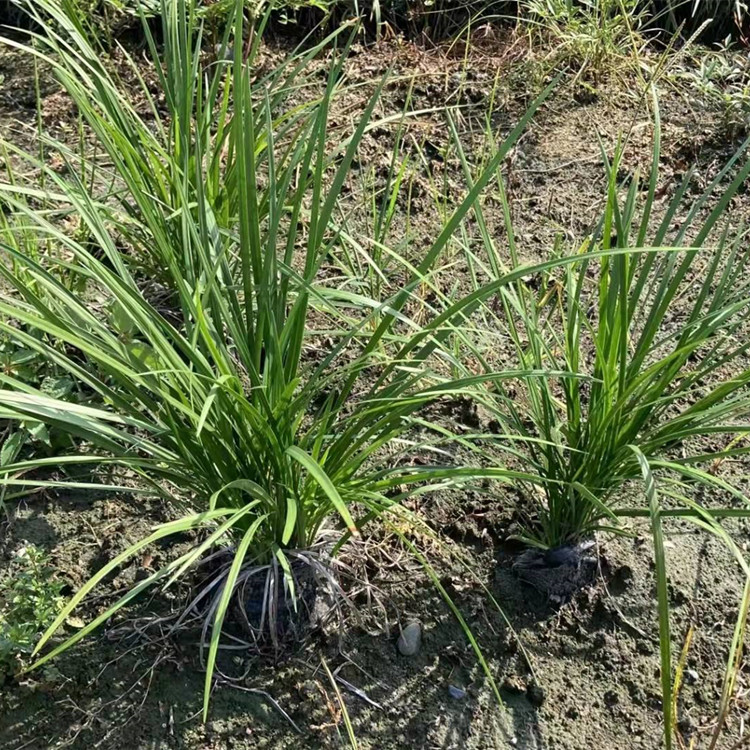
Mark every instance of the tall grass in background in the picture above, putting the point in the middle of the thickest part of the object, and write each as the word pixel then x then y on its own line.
pixel 258 397
pixel 722 16
pixel 178 146
pixel 596 35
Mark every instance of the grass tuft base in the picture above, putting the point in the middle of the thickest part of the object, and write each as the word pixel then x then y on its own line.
pixel 559 573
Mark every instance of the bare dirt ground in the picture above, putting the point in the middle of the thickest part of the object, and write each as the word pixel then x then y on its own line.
pixel 582 676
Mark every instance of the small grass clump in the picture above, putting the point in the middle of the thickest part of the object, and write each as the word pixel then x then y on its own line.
pixel 721 78
pixel 593 37
pixel 639 344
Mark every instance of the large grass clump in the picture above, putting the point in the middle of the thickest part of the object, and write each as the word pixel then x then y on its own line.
pixel 265 401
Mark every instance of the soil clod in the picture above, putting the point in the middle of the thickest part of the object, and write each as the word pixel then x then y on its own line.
pixel 535 694
pixel 512 685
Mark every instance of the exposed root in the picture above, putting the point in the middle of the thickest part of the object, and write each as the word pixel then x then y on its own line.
pixel 269 698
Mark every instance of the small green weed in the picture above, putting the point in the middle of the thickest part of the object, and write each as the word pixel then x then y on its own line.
pixel 29 367
pixel 29 602
pixel 721 78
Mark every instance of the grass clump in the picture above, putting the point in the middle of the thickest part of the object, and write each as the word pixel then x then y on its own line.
pixel 656 376
pixel 721 78
pixel 640 342
pixel 266 402
pixel 593 37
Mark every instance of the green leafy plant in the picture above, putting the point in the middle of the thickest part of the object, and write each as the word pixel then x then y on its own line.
pixel 599 36
pixel 27 366
pixel 30 600
pixel 720 78
pixel 30 437
pixel 262 401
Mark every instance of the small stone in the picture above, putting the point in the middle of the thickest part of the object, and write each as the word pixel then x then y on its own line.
pixel 456 693
pixel 535 694
pixel 410 640
pixel 692 676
